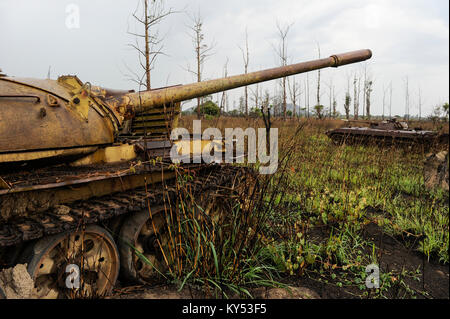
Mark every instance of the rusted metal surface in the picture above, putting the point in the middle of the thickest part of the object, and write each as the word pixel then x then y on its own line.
pixel 52 222
pixel 386 132
pixel 186 92
pixel 72 215
pixel 33 194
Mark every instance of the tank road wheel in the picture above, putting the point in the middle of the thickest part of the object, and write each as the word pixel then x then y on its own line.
pixel 93 251
pixel 140 241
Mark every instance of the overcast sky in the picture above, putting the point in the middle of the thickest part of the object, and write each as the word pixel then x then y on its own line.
pixel 409 38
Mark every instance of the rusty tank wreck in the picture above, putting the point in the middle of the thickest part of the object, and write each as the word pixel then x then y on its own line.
pixel 387 132
pixel 78 174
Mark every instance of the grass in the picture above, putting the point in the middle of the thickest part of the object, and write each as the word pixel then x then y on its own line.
pixel 311 216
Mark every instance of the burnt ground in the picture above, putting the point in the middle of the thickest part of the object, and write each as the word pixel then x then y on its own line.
pixel 394 255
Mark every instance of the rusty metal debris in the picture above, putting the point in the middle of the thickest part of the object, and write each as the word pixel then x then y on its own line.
pixel 390 132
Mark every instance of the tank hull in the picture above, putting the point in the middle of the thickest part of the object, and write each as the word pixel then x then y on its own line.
pixel 366 135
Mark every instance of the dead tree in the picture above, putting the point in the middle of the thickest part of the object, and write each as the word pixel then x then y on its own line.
pixel 334 105
pixel 307 94
pixel 153 13
pixel 390 101
pixel 356 96
pixel 420 103
pixel 224 98
pixel 364 89
pixel 348 99
pixel 384 101
pixel 256 95
pixel 281 51
pixel 318 77
pixel 202 52
pixel 241 105
pixel 245 57
pixel 406 98
pixel 359 92
pixel 368 91
pixel 295 93
pixel 332 111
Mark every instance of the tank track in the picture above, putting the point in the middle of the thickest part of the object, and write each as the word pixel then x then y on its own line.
pixel 72 216
pixel 93 211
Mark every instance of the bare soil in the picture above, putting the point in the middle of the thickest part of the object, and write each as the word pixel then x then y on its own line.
pixel 394 254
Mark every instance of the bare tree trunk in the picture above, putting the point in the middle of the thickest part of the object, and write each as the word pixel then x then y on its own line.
pixel 368 88
pixel 334 103
pixel 318 78
pixel 294 101
pixel 347 99
pixel 406 98
pixel 245 56
pixel 307 91
pixel 198 59
pixel 256 96
pixel 282 54
pixel 147 46
pixel 359 92
pixel 306 98
pixel 330 94
pixel 420 104
pixel 295 92
pixel 364 90
pixel 202 52
pixel 224 99
pixel 331 102
pixel 384 101
pixel 368 92
pixel 390 102
pixel 347 102
pixel 153 14
pixel 355 98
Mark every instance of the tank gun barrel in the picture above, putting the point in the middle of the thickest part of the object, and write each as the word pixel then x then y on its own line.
pixel 138 101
